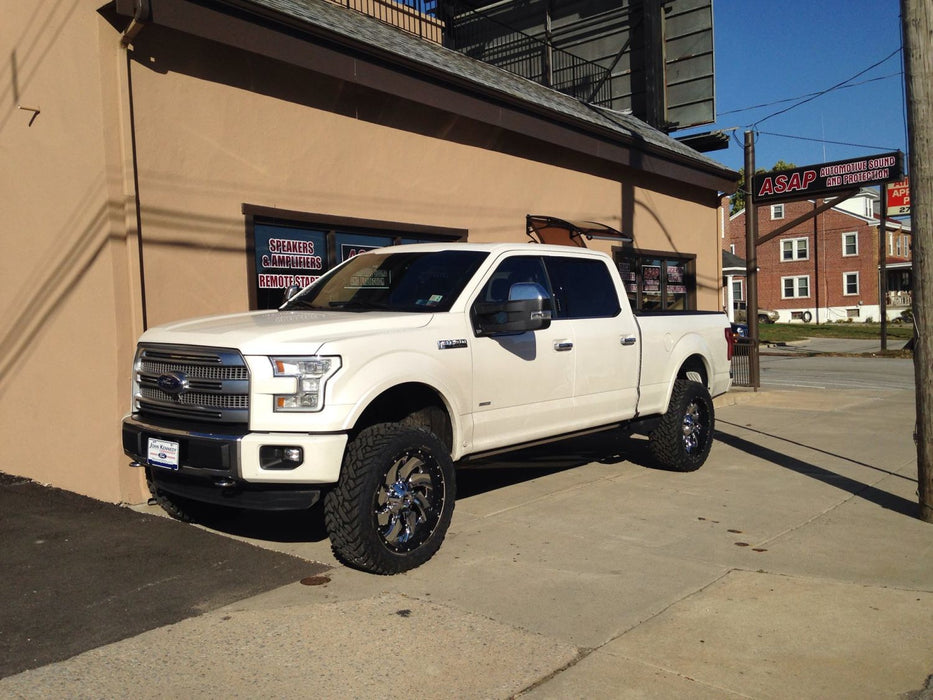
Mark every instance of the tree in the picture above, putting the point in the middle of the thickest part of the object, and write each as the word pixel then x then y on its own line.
pixel 738 199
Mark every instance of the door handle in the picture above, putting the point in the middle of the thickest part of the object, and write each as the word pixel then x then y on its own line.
pixel 629 340
pixel 563 345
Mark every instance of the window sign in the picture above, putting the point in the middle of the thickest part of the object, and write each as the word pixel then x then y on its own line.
pixel 676 288
pixel 627 271
pixel 285 256
pixel 656 283
pixel 352 244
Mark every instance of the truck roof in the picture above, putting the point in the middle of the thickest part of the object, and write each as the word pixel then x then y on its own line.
pixel 528 246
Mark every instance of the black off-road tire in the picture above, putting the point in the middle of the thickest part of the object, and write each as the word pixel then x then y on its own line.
pixel 179 508
pixel 391 509
pixel 682 440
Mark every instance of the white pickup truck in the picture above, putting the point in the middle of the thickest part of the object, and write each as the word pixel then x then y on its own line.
pixel 367 386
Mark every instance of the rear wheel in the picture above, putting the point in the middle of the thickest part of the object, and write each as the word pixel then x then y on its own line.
pixel 393 504
pixel 683 438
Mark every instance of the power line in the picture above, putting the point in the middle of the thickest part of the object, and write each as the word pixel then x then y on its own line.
pixel 810 94
pixel 835 143
pixel 844 83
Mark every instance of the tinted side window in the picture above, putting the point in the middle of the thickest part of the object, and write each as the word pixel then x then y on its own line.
pixel 511 271
pixel 582 288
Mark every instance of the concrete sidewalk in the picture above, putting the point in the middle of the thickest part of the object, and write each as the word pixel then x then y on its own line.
pixel 791 565
pixel 832 346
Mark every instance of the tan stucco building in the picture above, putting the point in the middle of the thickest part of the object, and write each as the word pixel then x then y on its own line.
pixel 149 159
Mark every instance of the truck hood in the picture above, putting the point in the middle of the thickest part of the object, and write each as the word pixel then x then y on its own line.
pixel 268 332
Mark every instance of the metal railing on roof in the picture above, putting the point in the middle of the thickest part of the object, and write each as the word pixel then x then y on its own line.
pixel 416 17
pixel 475 33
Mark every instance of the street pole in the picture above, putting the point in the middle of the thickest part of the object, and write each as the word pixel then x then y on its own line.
pixel 917 27
pixel 751 262
pixel 883 265
pixel 816 263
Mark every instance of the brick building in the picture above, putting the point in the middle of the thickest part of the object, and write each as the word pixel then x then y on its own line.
pixel 827 268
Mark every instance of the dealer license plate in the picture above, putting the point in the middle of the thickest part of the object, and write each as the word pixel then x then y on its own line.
pixel 163 453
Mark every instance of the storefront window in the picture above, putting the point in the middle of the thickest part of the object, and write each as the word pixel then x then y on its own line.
pixel 285 256
pixel 657 281
pixel 296 248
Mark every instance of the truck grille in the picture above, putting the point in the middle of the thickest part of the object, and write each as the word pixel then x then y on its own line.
pixel 207 384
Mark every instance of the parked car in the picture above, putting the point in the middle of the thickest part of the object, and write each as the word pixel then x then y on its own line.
pixel 739 330
pixel 764 315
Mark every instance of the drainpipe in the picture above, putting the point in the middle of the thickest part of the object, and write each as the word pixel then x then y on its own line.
pixel 142 12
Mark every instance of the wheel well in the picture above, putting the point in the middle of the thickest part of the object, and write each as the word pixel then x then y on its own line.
pixel 414 404
pixel 694 364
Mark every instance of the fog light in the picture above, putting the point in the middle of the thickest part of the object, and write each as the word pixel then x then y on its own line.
pixel 280 457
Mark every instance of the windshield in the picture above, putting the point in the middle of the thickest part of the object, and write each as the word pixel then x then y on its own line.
pixel 387 281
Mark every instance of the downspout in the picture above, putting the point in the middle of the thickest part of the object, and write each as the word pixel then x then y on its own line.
pixel 141 13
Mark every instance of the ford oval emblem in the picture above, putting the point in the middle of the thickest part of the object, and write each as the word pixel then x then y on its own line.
pixel 173 382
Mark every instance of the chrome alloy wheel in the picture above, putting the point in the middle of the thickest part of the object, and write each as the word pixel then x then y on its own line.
pixel 410 500
pixel 693 427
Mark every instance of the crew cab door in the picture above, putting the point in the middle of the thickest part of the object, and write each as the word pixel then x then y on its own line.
pixel 522 382
pixel 606 347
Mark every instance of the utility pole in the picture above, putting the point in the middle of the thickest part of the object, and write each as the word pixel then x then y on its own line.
pixel 917 27
pixel 882 265
pixel 751 262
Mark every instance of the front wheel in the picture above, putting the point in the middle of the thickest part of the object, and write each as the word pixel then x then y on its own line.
pixel 181 508
pixel 393 504
pixel 682 440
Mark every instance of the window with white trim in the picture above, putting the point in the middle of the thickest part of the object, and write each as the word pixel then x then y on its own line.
pixel 777 211
pixel 849 244
pixel 737 290
pixel 795 287
pixel 900 248
pixel 795 249
pixel 850 283
pixel 890 243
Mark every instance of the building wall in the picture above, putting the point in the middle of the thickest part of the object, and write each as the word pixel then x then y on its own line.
pixel 215 129
pixel 65 324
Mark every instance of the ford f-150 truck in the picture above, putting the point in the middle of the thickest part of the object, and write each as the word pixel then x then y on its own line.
pixel 367 386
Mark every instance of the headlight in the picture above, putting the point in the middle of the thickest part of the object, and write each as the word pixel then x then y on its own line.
pixel 311 374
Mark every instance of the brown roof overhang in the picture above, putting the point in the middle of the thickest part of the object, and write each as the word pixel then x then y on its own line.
pixel 258 28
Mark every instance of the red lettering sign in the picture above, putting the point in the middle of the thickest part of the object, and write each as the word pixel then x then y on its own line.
pixel 899 197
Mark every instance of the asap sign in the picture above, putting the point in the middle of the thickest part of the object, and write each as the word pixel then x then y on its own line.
pixel 826 178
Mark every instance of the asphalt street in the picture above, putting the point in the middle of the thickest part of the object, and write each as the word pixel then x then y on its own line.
pixel 822 372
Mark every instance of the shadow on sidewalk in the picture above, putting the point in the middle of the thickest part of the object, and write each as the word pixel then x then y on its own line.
pixel 856 488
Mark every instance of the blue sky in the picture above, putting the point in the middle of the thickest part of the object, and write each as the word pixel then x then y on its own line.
pixel 771 51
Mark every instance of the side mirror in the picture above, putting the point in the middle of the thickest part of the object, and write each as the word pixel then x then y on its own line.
pixel 528 309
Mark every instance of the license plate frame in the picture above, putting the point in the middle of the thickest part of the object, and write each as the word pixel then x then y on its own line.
pixel 163 453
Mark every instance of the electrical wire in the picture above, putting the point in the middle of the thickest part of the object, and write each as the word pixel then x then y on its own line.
pixel 837 86
pixel 809 94
pixel 835 143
